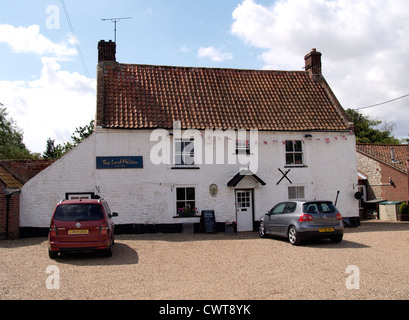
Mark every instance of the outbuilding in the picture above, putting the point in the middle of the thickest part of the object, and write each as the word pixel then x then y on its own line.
pixel 171 142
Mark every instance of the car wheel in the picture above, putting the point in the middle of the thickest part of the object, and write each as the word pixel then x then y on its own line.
pixel 293 236
pixel 261 230
pixel 108 253
pixel 337 238
pixel 52 254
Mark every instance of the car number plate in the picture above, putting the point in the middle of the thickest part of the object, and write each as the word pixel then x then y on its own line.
pixel 76 232
pixel 326 229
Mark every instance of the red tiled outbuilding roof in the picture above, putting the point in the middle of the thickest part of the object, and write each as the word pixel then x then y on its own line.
pixel 392 155
pixel 132 96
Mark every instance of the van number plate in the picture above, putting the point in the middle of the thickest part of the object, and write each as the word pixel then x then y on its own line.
pixel 75 232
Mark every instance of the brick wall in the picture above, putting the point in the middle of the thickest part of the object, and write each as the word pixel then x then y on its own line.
pixel 14 215
pixel 378 175
pixel 397 192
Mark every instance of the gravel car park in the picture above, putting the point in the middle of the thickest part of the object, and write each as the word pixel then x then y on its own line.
pixel 370 263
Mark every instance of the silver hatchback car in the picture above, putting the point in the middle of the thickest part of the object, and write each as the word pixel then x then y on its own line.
pixel 300 220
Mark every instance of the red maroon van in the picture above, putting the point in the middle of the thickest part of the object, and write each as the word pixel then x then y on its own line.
pixel 81 225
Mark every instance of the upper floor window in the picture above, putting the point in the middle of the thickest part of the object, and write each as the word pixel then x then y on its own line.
pixel 242 147
pixel 184 152
pixel 294 153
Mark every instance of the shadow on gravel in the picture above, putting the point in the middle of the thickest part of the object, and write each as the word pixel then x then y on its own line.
pixel 324 243
pixel 379 226
pixel 179 237
pixel 122 254
pixel 327 244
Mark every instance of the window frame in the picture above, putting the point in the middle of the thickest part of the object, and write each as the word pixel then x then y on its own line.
pixel 185 200
pixel 297 193
pixel 243 147
pixel 294 153
pixel 181 154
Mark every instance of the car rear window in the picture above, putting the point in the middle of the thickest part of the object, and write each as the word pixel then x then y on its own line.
pixel 319 207
pixel 78 212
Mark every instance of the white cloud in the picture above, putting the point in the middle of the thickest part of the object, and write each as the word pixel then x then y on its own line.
pixel 214 54
pixel 364 45
pixel 50 107
pixel 30 40
pixel 53 104
pixel 184 48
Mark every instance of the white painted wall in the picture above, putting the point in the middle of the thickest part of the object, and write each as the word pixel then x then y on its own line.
pixel 148 195
pixel 72 173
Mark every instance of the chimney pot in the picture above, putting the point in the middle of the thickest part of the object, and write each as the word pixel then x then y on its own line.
pixel 106 51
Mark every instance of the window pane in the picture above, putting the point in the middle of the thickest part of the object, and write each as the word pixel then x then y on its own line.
pixel 190 204
pixel 298 158
pixel 289 158
pixel 300 193
pixel 190 193
pixel 289 146
pixel 178 147
pixel 292 193
pixel 279 208
pixel 180 204
pixel 180 194
pixel 298 146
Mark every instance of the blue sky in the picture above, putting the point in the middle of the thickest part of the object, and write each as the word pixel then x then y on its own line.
pixel 47 92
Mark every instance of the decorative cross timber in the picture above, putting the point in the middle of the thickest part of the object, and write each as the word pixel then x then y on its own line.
pixel 284 176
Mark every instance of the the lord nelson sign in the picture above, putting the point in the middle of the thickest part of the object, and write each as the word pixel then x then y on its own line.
pixel 119 162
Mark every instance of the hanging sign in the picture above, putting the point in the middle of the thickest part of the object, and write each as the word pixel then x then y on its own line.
pixel 119 162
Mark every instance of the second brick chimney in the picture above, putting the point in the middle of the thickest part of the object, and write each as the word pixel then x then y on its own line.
pixel 106 51
pixel 313 63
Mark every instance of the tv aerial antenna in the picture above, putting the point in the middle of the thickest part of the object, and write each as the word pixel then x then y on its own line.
pixel 115 21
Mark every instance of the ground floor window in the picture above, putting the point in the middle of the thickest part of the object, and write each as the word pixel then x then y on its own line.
pixel 295 193
pixel 79 196
pixel 186 200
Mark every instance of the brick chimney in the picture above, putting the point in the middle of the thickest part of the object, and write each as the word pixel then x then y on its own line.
pixel 106 58
pixel 313 63
pixel 106 51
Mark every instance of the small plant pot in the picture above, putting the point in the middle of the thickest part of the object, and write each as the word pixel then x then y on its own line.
pixel 229 229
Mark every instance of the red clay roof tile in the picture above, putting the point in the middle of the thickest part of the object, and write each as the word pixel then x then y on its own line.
pixel 383 153
pixel 143 96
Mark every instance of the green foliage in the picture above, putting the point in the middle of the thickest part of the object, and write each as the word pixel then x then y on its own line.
pixel 404 208
pixel 57 151
pixel 366 129
pixel 11 139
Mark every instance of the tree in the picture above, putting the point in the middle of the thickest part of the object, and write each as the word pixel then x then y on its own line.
pixel 11 138
pixel 52 151
pixel 57 151
pixel 82 133
pixel 366 129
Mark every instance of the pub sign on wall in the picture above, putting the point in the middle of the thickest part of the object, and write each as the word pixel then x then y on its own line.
pixel 120 162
